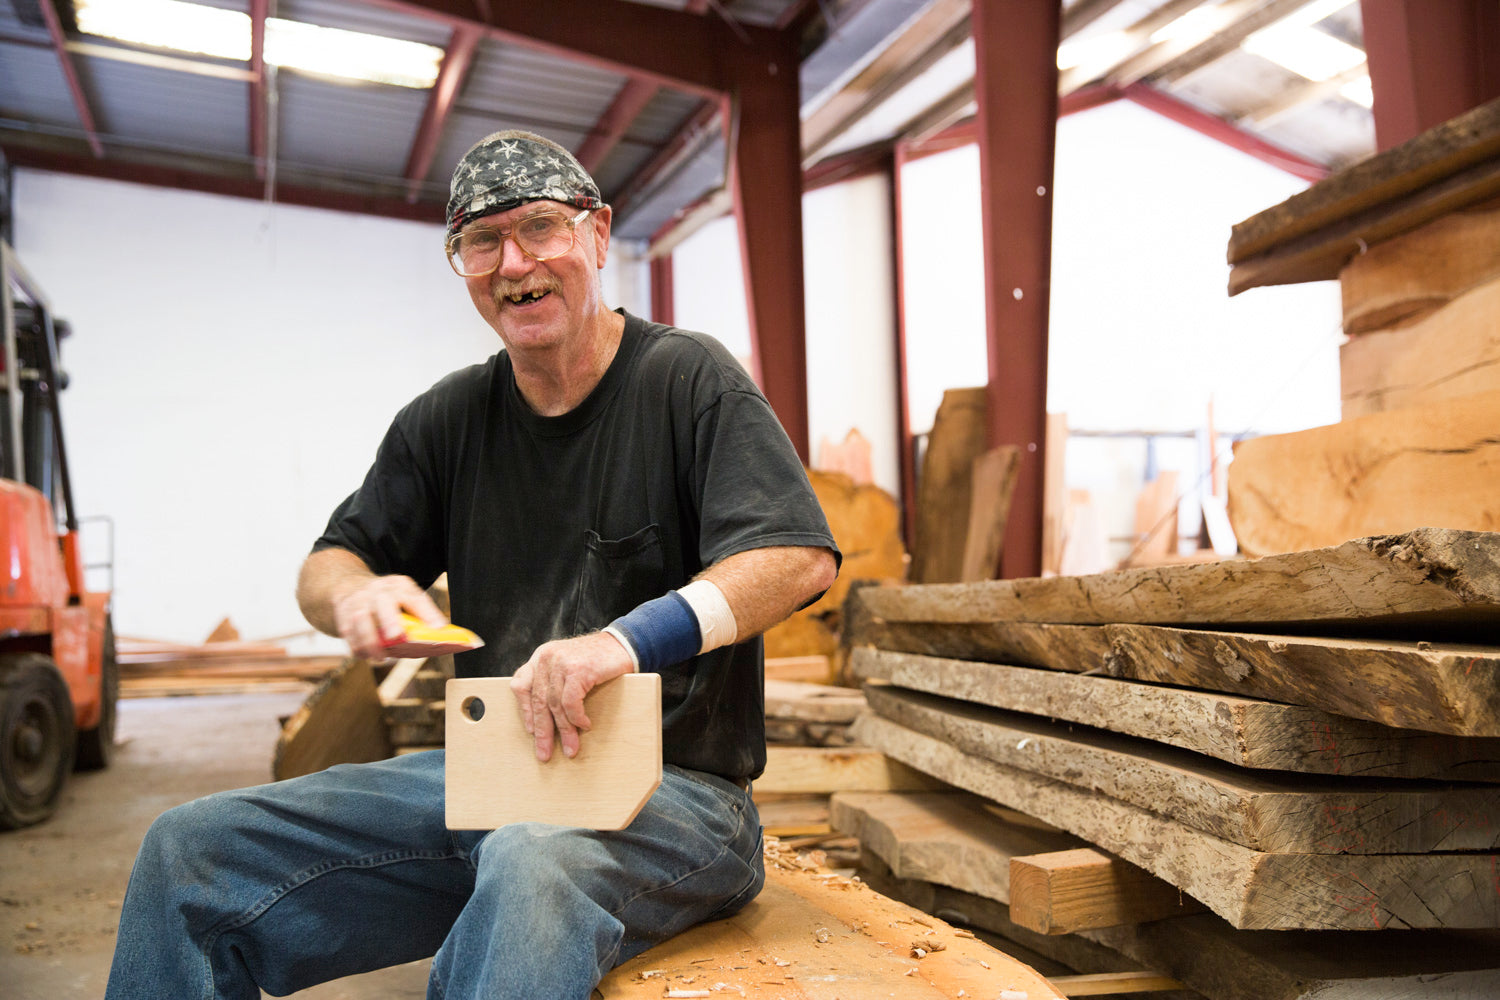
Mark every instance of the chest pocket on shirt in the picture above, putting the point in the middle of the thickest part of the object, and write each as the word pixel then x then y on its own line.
pixel 617 575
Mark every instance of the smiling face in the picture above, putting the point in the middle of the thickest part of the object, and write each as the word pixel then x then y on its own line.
pixel 536 306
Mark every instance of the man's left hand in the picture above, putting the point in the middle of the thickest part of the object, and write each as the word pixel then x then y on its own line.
pixel 551 686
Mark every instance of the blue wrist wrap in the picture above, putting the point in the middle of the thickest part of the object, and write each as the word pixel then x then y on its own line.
pixel 664 631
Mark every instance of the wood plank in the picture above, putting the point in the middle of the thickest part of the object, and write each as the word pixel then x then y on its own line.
pixel 1398 282
pixel 1434 465
pixel 959 436
pixel 1222 963
pixel 933 836
pixel 812 702
pixel 813 935
pixel 1454 351
pixel 1062 892
pixel 393 686
pixel 993 480
pixel 493 778
pixel 339 723
pixel 1250 889
pixel 1247 732
pixel 1100 984
pixel 1470 138
pixel 1426 576
pixel 804 669
pixel 1262 811
pixel 825 770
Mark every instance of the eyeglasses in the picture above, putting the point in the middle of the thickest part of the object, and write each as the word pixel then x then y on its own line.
pixel 544 236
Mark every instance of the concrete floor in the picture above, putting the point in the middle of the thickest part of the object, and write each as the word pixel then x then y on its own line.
pixel 61 882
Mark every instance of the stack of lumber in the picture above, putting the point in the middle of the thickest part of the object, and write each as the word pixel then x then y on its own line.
pixel 1275 756
pixel 1413 236
pixel 153 668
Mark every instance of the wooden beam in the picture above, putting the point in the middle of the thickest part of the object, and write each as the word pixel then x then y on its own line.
pixel 457 59
pixel 825 770
pixel 1239 730
pixel 1063 892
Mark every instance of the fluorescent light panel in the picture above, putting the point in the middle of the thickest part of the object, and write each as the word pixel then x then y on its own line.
pixel 225 34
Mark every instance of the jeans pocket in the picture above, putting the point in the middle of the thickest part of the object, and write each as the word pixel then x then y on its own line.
pixel 617 575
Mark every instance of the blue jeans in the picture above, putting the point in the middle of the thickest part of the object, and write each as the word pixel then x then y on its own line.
pixel 286 885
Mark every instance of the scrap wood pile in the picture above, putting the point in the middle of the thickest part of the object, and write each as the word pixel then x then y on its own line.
pixel 222 664
pixel 1248 775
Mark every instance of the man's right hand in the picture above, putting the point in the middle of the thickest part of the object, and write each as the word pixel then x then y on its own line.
pixel 340 596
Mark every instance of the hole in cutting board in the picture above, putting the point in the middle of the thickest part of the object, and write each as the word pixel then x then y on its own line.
pixel 473 709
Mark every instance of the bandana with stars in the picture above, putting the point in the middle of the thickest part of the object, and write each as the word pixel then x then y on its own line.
pixel 503 171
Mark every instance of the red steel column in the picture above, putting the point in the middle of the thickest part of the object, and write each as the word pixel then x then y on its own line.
pixel 1429 62
pixel 765 148
pixel 663 305
pixel 1015 83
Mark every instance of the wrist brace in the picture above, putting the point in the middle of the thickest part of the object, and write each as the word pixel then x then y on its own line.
pixel 675 627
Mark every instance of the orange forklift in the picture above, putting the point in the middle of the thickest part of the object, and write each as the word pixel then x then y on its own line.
pixel 58 677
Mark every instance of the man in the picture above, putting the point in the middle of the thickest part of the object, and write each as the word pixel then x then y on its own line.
pixel 605 495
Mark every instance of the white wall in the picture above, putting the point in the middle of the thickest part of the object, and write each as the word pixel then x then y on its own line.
pixel 233 366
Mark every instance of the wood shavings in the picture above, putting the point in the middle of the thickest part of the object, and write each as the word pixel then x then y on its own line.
pixel 822 935
pixel 652 973
pixel 684 994
pixel 960 932
pixel 926 946
pixel 984 963
pixel 1012 995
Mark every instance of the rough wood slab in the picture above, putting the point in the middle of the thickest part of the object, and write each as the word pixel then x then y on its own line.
pixel 1260 810
pixel 813 935
pixel 1378 186
pixel 932 835
pixel 1243 731
pixel 1437 687
pixel 825 770
pixel 1427 576
pixel 339 723
pixel 1250 889
pixel 492 776
pixel 958 437
pixel 1455 351
pixel 812 702
pixel 1222 963
pixel 1062 892
pixel 1436 463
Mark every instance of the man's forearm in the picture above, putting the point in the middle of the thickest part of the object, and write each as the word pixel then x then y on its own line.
pixel 326 576
pixel 764 586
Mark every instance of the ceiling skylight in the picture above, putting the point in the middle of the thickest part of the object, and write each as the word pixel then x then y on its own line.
pixel 210 31
pixel 1305 51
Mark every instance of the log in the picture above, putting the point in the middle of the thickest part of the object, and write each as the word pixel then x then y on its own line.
pixel 1250 889
pixel 959 435
pixel 339 723
pixel 1262 811
pixel 1222 963
pixel 819 936
pixel 1454 351
pixel 1429 576
pixel 1314 233
pixel 1434 465
pixel 1246 732
pixel 1398 282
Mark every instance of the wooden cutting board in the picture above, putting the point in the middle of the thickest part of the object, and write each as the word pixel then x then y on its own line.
pixel 493 777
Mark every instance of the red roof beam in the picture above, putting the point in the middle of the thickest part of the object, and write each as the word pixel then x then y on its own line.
pixel 70 74
pixel 440 100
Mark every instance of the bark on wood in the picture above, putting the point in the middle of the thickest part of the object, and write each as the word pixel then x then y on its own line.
pixel 339 723
pixel 820 936
pixel 1374 189
pixel 1222 963
pixel 1455 351
pixel 1250 889
pixel 1243 731
pixel 1262 811
pixel 1398 282
pixel 945 492
pixel 1434 465
pixel 1432 576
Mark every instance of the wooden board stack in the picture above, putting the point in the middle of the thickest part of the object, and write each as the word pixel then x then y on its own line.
pixel 1413 235
pixel 1306 746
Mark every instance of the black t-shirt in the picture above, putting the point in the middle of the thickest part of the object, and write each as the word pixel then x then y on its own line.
pixel 554 526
